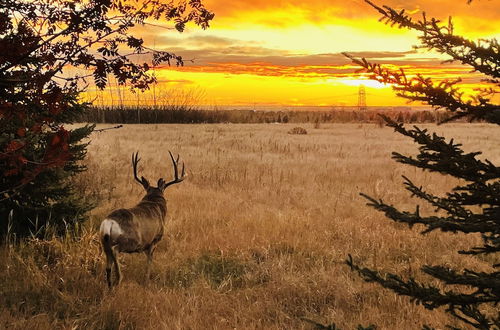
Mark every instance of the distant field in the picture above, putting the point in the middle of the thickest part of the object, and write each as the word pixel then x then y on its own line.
pixel 257 234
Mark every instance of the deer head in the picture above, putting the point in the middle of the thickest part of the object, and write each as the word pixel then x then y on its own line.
pixel 161 185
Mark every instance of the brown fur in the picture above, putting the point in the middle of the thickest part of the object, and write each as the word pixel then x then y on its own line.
pixel 137 229
pixel 141 226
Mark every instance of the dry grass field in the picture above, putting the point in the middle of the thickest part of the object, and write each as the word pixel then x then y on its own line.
pixel 256 236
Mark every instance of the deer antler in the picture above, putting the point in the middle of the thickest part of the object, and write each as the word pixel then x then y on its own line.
pixel 176 179
pixel 135 161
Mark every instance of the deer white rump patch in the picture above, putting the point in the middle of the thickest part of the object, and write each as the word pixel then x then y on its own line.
pixel 110 227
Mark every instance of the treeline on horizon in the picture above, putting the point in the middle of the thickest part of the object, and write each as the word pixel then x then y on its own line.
pixel 167 115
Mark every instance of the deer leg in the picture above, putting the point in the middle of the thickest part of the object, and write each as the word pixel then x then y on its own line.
pixel 109 263
pixel 117 266
pixel 149 255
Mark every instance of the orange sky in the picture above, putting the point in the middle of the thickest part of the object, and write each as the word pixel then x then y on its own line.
pixel 288 52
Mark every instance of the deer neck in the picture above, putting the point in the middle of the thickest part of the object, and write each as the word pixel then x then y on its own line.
pixel 159 202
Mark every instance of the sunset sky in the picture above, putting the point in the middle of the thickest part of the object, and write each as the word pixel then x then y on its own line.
pixel 273 52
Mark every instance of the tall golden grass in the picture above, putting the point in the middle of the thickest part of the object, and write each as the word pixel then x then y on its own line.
pixel 256 236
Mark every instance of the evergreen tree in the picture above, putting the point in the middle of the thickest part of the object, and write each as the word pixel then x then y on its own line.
pixel 471 207
pixel 41 44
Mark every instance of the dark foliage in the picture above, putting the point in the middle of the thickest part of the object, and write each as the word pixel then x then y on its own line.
pixel 42 43
pixel 180 115
pixel 473 206
pixel 333 326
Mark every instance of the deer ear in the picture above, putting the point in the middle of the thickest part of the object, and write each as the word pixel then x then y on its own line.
pixel 161 184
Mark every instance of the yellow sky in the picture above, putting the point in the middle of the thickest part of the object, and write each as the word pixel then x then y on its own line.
pixel 288 52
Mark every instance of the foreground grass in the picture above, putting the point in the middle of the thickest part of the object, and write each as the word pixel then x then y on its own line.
pixel 256 236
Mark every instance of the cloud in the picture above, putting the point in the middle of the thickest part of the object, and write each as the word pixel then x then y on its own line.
pixel 265 62
pixel 280 67
pixel 302 40
pixel 477 16
pixel 175 81
pixel 248 53
pixel 202 53
pixel 215 54
pixel 188 41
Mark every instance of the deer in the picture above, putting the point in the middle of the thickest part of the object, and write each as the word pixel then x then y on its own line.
pixel 140 228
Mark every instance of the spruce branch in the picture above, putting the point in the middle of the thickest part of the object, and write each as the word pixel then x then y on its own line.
pixel 445 224
pixel 457 303
pixel 437 155
pixel 487 285
pixel 442 95
pixel 440 203
pixel 482 55
pixel 470 207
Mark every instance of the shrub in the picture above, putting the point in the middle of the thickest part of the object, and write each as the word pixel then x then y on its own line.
pixel 297 130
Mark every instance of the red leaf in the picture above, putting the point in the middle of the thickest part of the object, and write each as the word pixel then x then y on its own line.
pixel 37 128
pixel 21 114
pixel 22 159
pixel 13 146
pixel 55 109
pixel 55 140
pixel 11 172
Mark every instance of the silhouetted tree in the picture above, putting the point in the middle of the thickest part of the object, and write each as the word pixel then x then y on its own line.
pixel 471 207
pixel 42 45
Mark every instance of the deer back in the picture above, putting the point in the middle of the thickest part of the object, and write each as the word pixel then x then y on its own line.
pixel 141 225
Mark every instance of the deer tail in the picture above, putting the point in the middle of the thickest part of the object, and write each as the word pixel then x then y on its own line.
pixel 105 233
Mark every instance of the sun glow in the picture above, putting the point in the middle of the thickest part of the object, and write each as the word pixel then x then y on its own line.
pixel 363 82
pixel 275 52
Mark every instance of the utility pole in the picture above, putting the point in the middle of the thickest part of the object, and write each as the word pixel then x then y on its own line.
pixel 362 98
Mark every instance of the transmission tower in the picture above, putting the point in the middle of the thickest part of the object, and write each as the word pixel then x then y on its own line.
pixel 361 98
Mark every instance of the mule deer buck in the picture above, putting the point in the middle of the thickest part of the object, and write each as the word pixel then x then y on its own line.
pixel 139 228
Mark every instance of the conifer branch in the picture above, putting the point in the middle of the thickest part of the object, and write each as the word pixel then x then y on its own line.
pixel 437 155
pixel 483 55
pixel 442 95
pixel 458 304
pixel 445 224
pixel 473 207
